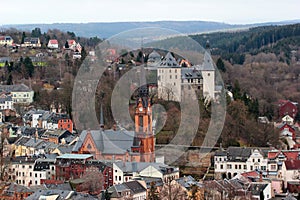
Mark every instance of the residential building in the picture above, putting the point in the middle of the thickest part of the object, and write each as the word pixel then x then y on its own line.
pixel 135 190
pixel 20 93
pixel 58 136
pixel 13 191
pixel 126 171
pixel 30 171
pixel 6 40
pixel 290 172
pixel 27 146
pixel 287 107
pixel 71 166
pixel 32 42
pixel 53 44
pixel 237 160
pixel 6 102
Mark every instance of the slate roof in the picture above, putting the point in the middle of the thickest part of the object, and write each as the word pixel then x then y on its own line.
pixel 188 182
pixel 256 188
pixel 65 149
pixel 238 153
pixel 207 64
pixel 43 164
pixel 15 88
pixel 12 188
pixel 139 166
pixel 190 73
pixel 135 186
pixel 7 98
pixel 108 141
pixel 169 61
pixel 62 194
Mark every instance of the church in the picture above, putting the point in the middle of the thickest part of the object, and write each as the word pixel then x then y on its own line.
pixel 121 144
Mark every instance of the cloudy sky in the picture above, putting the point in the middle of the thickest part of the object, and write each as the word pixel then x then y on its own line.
pixel 80 11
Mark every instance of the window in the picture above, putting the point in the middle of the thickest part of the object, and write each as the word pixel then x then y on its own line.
pixel 263 167
pixel 208 74
pixel 175 76
pixel 258 160
pixel 35 175
pixel 119 178
pixel 240 166
pixel 30 174
pixel 229 166
pixel 220 159
pixel 221 166
pixel 170 76
pixel 116 178
pixel 273 167
pixel 36 182
pixel 245 167
pixel 251 168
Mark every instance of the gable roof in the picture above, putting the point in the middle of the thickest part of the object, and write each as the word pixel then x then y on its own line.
pixel 15 88
pixel 292 164
pixel 53 41
pixel 169 61
pixel 135 186
pixel 108 141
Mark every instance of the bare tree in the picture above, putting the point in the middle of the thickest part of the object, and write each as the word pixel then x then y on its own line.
pixel 93 181
pixel 173 191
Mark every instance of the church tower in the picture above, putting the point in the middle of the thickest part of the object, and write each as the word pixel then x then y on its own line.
pixel 144 142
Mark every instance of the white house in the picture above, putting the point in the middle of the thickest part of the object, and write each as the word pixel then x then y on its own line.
pixel 52 44
pixel 260 189
pixel 237 160
pixel 27 171
pixel 126 171
pixel 291 171
pixel 20 93
pixel 6 103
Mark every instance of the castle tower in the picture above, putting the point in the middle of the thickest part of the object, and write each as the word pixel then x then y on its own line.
pixel 144 142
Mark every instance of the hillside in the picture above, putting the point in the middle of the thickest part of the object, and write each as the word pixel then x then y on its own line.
pixel 105 30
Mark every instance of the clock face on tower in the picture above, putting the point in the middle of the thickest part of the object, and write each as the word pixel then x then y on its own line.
pixel 141 109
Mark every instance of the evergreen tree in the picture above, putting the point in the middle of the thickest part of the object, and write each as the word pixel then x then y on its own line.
pixel 9 80
pixel 23 37
pixel 220 65
pixel 236 91
pixel 36 32
pixel 66 45
pixel 29 67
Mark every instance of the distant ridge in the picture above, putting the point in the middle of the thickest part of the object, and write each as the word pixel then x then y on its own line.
pixel 108 29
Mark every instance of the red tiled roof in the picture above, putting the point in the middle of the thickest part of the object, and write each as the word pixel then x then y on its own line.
pixel 291 155
pixel 53 41
pixel 250 174
pixel 292 164
pixel 71 42
pixel 272 155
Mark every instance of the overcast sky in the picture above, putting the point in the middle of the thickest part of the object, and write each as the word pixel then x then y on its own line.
pixel 80 11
